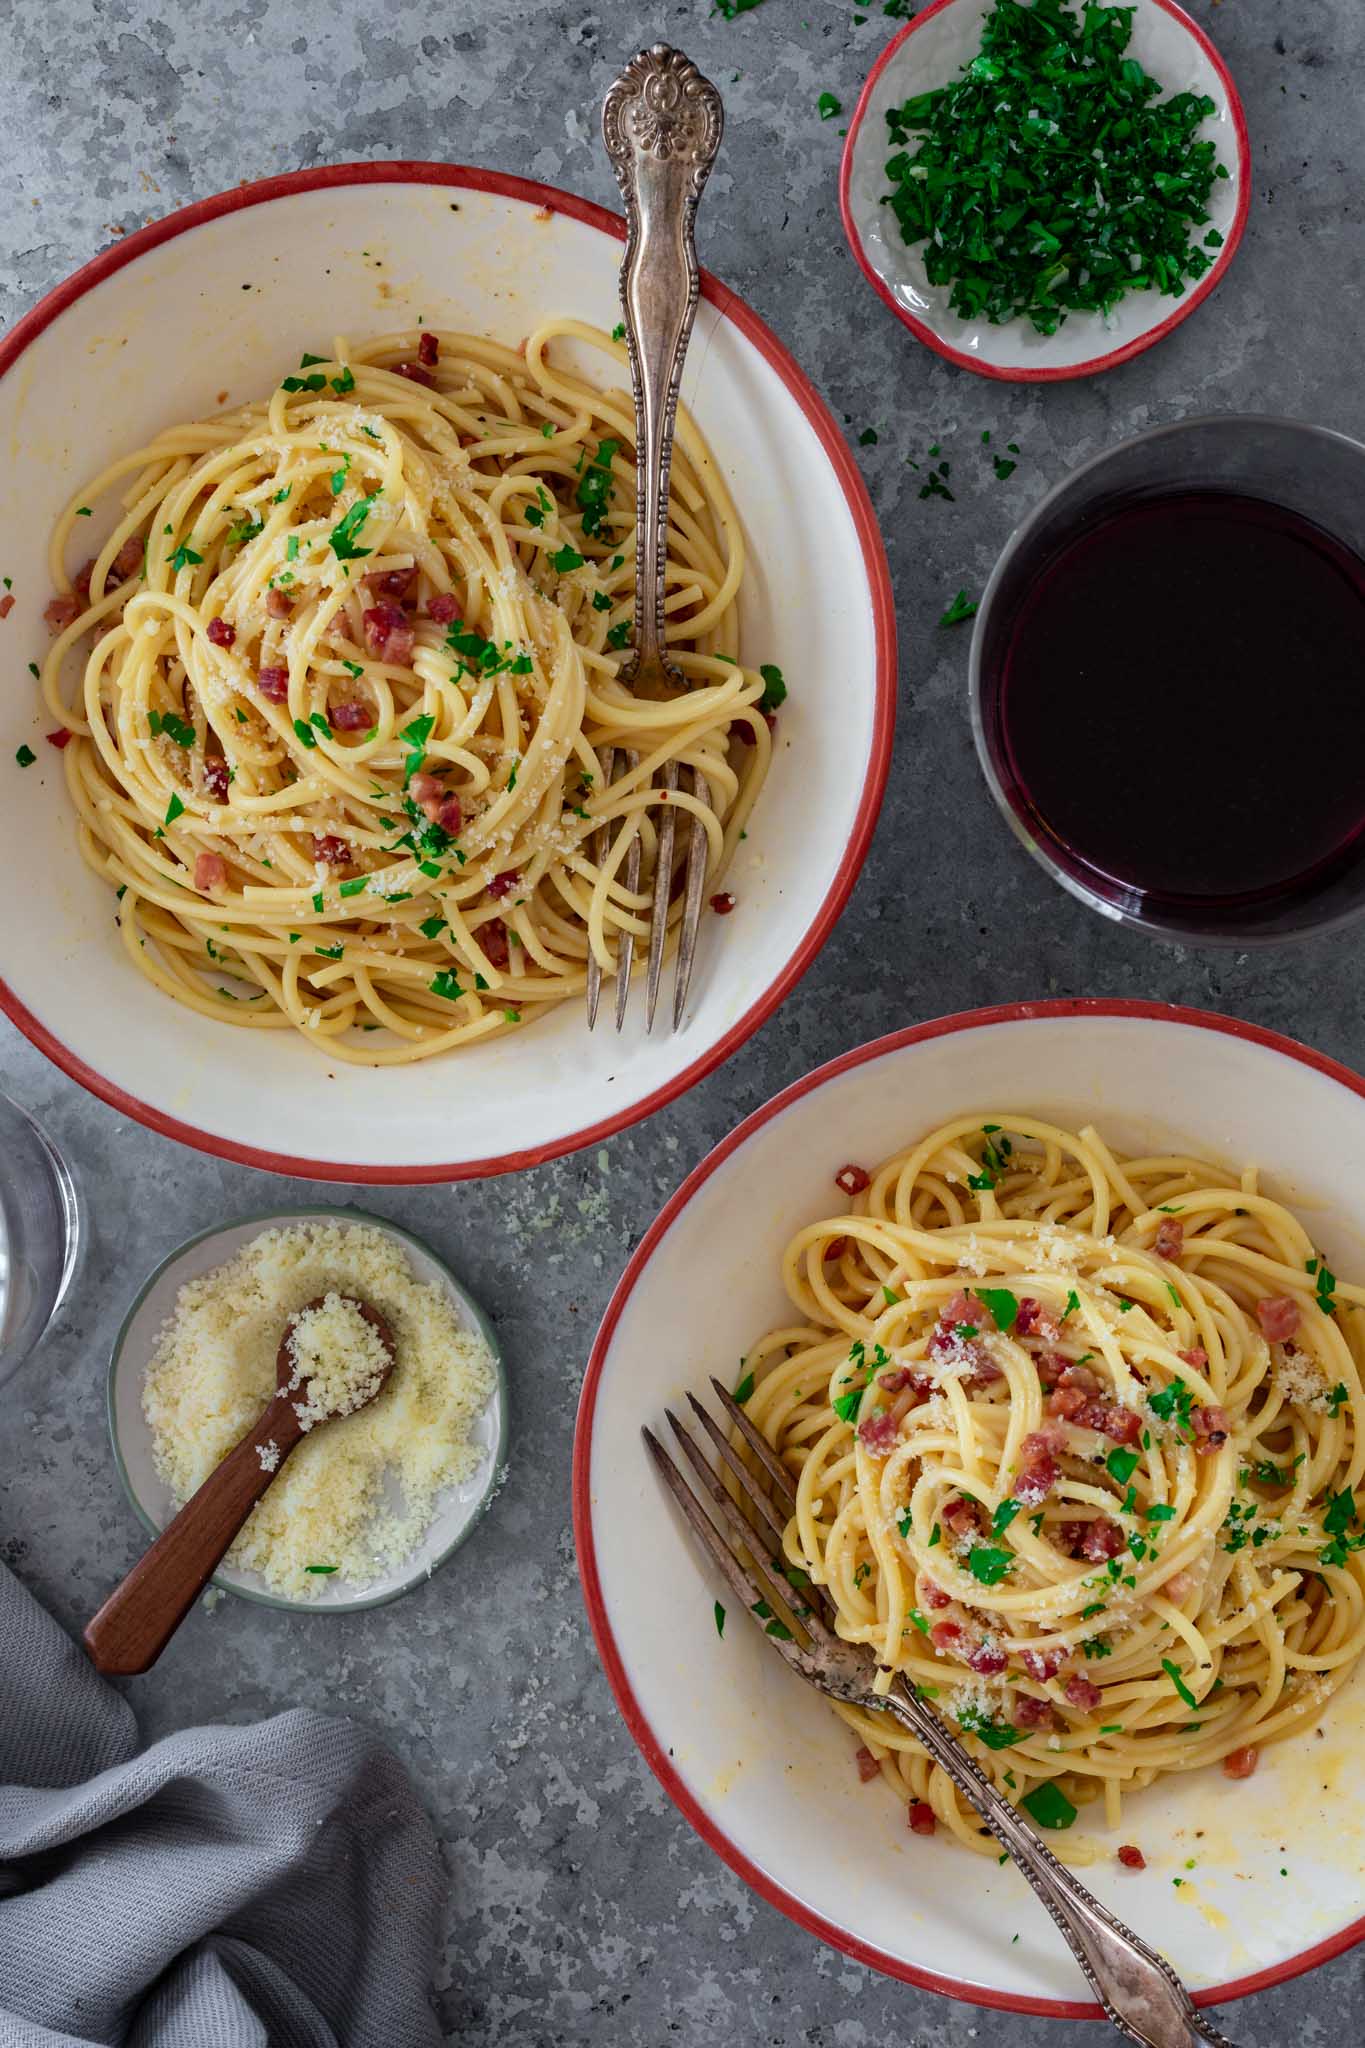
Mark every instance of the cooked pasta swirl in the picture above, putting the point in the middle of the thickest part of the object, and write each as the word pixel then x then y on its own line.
pixel 1077 1441
pixel 340 674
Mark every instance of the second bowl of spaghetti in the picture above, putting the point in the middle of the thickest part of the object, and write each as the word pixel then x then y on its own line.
pixel 1051 1316
pixel 327 628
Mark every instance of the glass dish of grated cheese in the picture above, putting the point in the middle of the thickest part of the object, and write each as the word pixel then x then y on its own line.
pixel 366 1507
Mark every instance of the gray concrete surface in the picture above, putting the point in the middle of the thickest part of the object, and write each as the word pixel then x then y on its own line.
pixel 583 1909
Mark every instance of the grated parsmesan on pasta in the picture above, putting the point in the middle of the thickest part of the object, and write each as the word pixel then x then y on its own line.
pixel 360 1493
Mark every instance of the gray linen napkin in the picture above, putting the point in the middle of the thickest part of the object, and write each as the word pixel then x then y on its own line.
pixel 272 1886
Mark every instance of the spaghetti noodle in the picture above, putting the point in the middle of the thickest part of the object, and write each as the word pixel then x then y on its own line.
pixel 1077 1441
pixel 356 650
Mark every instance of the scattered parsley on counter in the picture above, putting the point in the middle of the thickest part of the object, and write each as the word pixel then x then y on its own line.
pixel 1050 177
pixel 827 106
pixel 962 607
pixel 26 757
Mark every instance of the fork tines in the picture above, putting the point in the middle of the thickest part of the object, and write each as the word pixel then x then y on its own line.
pixel 758 1577
pixel 693 884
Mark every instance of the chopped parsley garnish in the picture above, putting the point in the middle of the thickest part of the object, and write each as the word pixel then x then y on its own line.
pixel 618 634
pixel 1003 1305
pixel 355 887
pixel 594 491
pixel 414 737
pixel 1161 1511
pixel 745 1388
pixel 962 607
pixel 26 757
pixel 175 728
pixel 1004 1515
pixel 1337 1399
pixel 995 1734
pixel 1121 1465
pixel 1049 1805
pixel 720 1619
pixel 1073 1302
pixel 342 538
pixel 174 809
pixel 1324 1287
pixel 329 952
pixel 445 984
pixel 775 1628
pixel 317 382
pixel 846 1405
pixel 618 332
pixel 1049 177
pixel 1096 1646
pixel 564 559
pixel 774 687
pixel 305 733
pixel 1174 1404
pixel 890 1296
pixel 185 557
pixel 1338 1519
pixel 237 536
pixel 432 927
pixel 321 1569
pixel 919 1621
pixel 989 1566
pixel 600 601
pixel 1172 1671
pixel 827 106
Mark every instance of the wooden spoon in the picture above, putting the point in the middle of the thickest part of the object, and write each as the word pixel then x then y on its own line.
pixel 140 1616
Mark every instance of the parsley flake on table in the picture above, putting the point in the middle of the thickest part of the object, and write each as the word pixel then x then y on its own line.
pixel 827 106
pixel 962 607
pixel 26 757
pixel 1050 177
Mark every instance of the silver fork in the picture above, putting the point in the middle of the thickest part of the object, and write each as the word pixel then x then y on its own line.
pixel 1138 1989
pixel 661 124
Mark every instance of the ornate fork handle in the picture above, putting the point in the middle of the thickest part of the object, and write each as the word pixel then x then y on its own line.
pixel 661 123
pixel 1138 1989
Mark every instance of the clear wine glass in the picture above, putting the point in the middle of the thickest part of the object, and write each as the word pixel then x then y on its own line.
pixel 40 1234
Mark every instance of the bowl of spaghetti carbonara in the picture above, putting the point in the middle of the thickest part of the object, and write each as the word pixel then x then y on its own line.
pixel 328 575
pixel 1057 1322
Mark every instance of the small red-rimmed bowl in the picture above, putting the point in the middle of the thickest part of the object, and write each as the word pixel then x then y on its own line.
pixel 221 299
pixel 757 1761
pixel 928 53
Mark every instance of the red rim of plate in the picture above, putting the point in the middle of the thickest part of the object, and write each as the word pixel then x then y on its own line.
pixel 1184 306
pixel 654 1752
pixel 755 331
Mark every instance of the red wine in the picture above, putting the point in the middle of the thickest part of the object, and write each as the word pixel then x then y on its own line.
pixel 1182 701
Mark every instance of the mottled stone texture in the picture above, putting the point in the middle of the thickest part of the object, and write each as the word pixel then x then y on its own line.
pixel 583 1909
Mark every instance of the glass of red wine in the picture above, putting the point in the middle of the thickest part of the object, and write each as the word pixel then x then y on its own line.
pixel 1168 681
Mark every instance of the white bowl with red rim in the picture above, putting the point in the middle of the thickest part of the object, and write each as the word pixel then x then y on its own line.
pixel 928 53
pixel 756 1760
pixel 223 298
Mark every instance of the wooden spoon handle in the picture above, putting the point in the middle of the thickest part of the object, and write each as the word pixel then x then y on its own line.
pixel 140 1616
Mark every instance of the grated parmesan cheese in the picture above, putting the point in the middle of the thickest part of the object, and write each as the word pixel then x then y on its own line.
pixel 339 1358
pixel 361 1493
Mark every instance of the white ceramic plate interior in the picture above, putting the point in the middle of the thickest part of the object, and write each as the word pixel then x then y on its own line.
pixel 929 52
pixel 223 299
pixel 457 1509
pixel 759 1763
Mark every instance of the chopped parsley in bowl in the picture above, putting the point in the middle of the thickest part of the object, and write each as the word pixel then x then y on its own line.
pixel 1065 181
pixel 1051 176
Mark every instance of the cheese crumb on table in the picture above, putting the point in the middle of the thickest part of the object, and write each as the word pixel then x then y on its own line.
pixel 361 1493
